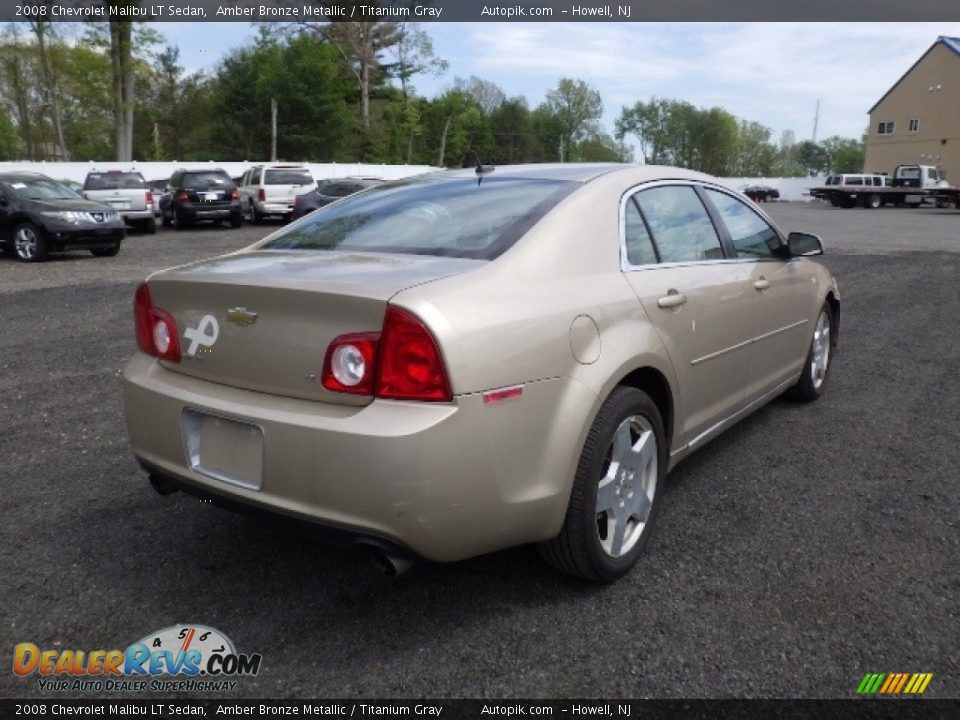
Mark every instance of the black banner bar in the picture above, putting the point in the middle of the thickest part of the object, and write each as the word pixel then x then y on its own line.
pixel 863 709
pixel 481 11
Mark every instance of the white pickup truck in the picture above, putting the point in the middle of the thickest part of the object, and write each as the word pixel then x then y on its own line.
pixel 269 190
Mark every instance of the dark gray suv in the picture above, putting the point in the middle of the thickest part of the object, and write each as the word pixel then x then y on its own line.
pixel 195 195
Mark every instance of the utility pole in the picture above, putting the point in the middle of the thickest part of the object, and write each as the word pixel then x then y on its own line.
pixel 273 130
pixel 816 121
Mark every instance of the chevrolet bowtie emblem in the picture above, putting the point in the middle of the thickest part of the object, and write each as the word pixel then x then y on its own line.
pixel 241 316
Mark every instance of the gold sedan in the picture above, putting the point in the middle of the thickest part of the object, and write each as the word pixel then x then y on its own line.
pixel 466 361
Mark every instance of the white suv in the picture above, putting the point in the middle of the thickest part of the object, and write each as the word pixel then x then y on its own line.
pixel 269 190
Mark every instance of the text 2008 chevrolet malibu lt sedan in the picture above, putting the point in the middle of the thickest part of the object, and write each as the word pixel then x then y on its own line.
pixel 465 361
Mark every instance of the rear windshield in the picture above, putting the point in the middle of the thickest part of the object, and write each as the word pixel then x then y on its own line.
pixel 114 181
pixel 909 173
pixel 287 176
pixel 436 216
pixel 206 180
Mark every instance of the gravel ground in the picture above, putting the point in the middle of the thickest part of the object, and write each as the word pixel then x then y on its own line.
pixel 805 547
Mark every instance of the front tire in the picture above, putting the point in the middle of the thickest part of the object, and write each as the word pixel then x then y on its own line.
pixel 616 491
pixel 29 245
pixel 816 368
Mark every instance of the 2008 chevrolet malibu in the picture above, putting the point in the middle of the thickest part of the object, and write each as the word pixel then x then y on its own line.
pixel 466 361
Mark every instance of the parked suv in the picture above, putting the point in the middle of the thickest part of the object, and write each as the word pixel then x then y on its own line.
pixel 126 192
pixel 39 215
pixel 194 195
pixel 270 190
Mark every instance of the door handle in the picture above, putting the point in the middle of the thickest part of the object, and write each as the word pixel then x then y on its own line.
pixel 761 284
pixel 672 299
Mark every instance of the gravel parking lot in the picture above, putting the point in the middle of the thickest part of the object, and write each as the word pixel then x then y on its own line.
pixel 807 546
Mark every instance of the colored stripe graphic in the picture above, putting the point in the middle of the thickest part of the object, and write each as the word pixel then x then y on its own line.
pixel 894 683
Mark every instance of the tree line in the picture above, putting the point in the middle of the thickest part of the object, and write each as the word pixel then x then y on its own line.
pixel 344 92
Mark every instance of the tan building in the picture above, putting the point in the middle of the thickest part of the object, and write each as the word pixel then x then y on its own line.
pixel 918 120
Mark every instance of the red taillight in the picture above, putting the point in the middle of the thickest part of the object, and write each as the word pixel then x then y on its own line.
pixel 296 200
pixel 410 367
pixel 235 195
pixel 402 362
pixel 156 329
pixel 149 198
pixel 261 194
pixel 350 364
pixel 182 196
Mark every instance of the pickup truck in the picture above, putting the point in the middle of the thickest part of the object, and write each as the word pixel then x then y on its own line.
pixel 269 190
pixel 126 192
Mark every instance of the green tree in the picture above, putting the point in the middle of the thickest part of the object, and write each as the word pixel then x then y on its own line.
pixel 575 105
pixel 9 140
pixel 846 155
pixel 812 158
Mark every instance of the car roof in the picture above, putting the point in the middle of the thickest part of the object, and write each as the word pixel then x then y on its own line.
pixel 583 172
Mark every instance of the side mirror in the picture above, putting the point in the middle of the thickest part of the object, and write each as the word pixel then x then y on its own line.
pixel 804 244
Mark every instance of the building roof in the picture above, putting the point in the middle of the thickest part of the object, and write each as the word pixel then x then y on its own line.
pixel 951 43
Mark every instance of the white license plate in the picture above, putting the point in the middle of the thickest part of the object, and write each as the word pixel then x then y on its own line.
pixel 120 205
pixel 211 196
pixel 224 449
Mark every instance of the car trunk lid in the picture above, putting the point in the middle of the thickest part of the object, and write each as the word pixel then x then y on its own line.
pixel 263 320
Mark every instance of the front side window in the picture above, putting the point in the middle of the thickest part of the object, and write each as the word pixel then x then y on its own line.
pixel 681 227
pixel 456 217
pixel 751 235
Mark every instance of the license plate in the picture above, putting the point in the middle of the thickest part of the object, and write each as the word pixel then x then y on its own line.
pixel 224 449
pixel 211 196
pixel 120 205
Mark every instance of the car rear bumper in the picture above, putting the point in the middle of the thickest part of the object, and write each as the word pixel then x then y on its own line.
pixel 198 212
pixel 444 480
pixel 137 215
pixel 275 208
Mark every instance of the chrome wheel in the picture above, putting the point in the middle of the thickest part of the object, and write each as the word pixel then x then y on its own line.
pixel 627 486
pixel 25 243
pixel 820 351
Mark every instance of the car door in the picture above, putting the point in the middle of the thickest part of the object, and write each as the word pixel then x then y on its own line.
pixel 700 302
pixel 780 290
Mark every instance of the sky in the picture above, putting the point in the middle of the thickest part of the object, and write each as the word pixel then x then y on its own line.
pixel 771 73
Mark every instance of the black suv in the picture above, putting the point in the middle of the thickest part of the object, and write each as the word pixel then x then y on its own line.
pixel 193 195
pixel 39 215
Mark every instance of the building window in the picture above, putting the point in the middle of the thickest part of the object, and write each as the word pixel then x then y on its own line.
pixel 914 125
pixel 885 128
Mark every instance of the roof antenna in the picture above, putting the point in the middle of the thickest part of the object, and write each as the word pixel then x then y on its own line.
pixel 479 168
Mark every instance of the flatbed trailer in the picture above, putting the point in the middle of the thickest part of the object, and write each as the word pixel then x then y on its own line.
pixel 848 196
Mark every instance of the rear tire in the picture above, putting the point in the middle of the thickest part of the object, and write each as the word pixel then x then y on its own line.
pixel 29 245
pixel 255 217
pixel 616 491
pixel 872 202
pixel 150 226
pixel 236 220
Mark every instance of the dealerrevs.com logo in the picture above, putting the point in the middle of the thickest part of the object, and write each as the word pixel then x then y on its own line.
pixel 178 658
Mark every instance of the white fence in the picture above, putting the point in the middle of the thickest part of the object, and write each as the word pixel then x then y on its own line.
pixel 790 188
pixel 157 170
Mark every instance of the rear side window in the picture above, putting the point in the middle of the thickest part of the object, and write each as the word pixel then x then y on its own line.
pixel 680 225
pixel 429 216
pixel 751 235
pixel 287 176
pixel 206 180
pixel 114 181
pixel 640 250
